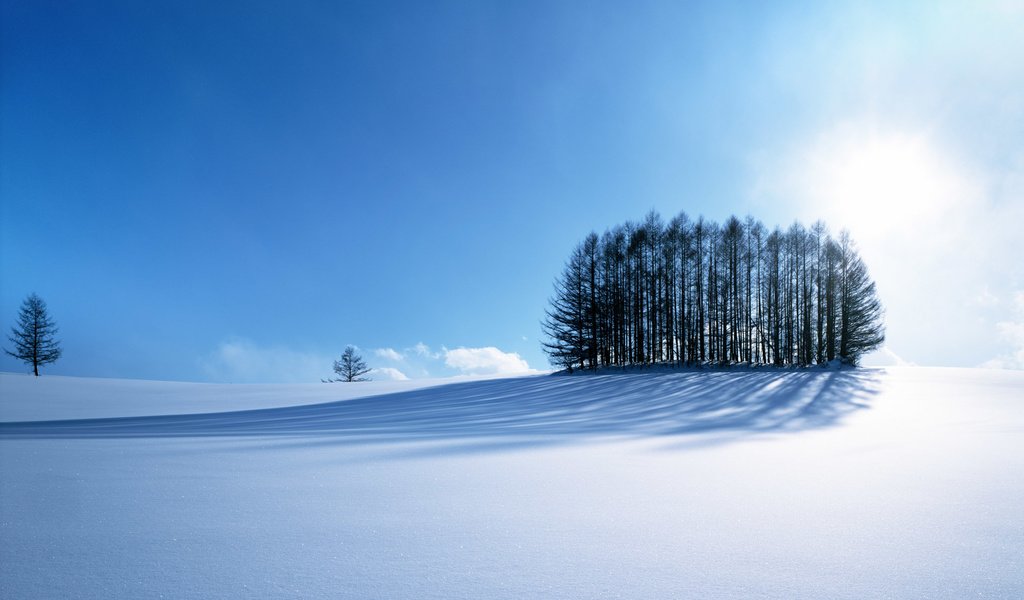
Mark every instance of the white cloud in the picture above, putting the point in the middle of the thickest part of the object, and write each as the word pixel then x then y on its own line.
pixel 388 373
pixel 239 360
pixel 389 354
pixel 1011 333
pixel 986 299
pixel 485 361
pixel 424 350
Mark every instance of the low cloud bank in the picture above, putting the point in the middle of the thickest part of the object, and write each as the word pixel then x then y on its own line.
pixel 239 360
pixel 421 360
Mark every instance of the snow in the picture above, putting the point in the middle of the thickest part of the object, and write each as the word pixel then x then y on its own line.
pixel 894 482
pixel 55 397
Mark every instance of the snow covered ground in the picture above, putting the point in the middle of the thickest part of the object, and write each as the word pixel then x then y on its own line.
pixel 876 483
pixel 55 397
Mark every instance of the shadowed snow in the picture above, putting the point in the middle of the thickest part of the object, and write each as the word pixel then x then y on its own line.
pixel 553 408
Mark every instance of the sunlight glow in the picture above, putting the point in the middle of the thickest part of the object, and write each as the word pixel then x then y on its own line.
pixel 914 204
pixel 875 185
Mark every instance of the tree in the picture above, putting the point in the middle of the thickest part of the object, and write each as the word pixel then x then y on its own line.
pixel 565 322
pixel 350 368
pixel 862 326
pixel 694 292
pixel 33 336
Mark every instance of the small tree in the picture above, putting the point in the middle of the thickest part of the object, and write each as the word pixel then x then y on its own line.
pixel 350 368
pixel 33 336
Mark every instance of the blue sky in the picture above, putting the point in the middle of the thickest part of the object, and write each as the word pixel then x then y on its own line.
pixel 235 191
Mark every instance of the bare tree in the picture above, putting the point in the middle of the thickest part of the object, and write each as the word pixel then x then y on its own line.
pixel 350 368
pixel 33 337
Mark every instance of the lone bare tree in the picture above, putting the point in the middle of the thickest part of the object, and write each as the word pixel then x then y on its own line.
pixel 33 336
pixel 350 368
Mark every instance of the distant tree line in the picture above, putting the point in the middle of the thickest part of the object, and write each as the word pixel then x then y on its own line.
pixel 692 292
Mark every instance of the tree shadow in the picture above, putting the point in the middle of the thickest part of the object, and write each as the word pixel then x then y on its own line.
pixel 516 413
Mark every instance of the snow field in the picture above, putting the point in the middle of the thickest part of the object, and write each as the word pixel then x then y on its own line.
pixel 902 482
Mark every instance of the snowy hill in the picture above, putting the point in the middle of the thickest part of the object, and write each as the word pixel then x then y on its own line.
pixel 898 482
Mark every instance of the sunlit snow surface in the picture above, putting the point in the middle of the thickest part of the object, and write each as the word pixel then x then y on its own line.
pixel 901 483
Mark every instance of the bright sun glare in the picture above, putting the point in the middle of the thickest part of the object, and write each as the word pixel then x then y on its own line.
pixel 880 184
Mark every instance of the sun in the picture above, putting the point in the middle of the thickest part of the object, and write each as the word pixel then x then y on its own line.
pixel 880 184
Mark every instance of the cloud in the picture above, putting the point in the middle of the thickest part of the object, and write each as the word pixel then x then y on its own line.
pixel 986 299
pixel 389 354
pixel 388 374
pixel 485 361
pixel 1011 334
pixel 239 360
pixel 423 350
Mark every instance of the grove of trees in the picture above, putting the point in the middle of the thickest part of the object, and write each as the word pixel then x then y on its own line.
pixel 33 336
pixel 693 292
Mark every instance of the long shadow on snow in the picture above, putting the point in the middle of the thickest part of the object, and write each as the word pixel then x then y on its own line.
pixel 526 411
